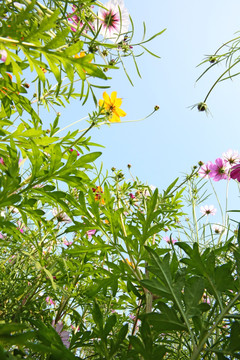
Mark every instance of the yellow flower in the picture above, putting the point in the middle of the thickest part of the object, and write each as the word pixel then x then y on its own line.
pixel 82 54
pixel 112 104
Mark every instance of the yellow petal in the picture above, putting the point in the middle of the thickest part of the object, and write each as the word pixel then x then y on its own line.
pixel 106 98
pixel 118 102
pixel 114 118
pixel 120 112
pixel 113 97
pixel 100 103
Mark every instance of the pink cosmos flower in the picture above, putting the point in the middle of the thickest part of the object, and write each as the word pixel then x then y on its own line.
pixel 204 171
pixel 235 172
pixel 169 240
pixel 232 157
pixel 3 55
pixel 114 20
pixel 132 196
pixel 64 335
pixel 67 243
pixel 90 233
pixel 219 170
pixel 76 20
pixel 208 210
pixel 50 301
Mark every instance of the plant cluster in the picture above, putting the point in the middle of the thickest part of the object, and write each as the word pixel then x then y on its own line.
pixel 89 265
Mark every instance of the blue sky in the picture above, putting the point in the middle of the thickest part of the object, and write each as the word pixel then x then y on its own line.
pixel 175 138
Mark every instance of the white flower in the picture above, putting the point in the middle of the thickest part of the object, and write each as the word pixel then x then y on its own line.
pixel 208 210
pixel 114 20
pixel 218 229
pixel 231 156
pixel 61 216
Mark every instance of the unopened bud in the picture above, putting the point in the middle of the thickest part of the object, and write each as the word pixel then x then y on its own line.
pixel 200 163
pixel 129 166
pixel 156 107
pixel 202 106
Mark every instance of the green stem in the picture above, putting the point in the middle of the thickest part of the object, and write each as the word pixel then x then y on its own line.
pixel 198 349
pixel 220 79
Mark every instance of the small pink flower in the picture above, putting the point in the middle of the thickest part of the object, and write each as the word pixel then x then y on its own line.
pixel 2 161
pixel 50 301
pixel 67 243
pixel 3 55
pixel 219 170
pixel 90 233
pixel 132 317
pixel 208 210
pixel 132 196
pixel 169 240
pixel 235 172
pixel 204 171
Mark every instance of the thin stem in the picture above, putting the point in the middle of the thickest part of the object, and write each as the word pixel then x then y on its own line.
pixel 219 204
pixel 75 122
pixel 197 351
pixel 220 79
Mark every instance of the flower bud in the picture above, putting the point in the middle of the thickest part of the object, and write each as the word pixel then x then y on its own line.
pixel 202 106
pixel 156 107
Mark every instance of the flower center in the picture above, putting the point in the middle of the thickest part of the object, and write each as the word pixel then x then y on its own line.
pixel 110 18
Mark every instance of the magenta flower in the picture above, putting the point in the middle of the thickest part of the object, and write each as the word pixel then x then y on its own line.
pixel 232 157
pixel 208 210
pixel 204 171
pixel 3 55
pixel 235 172
pixel 132 196
pixel 64 335
pixel 90 233
pixel 49 301
pixel 2 161
pixel 114 20
pixel 219 170
pixel 169 240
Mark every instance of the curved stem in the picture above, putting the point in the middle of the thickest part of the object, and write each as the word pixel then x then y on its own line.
pixel 220 79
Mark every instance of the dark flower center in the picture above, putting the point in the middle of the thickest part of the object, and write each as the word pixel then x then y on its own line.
pixel 110 18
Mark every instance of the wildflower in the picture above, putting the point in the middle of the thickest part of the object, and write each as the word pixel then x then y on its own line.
pixel 111 106
pixel 74 19
pixel 49 301
pixel 129 262
pixel 98 197
pixel 219 170
pixel 67 243
pixel 235 172
pixel 132 196
pixel 64 335
pixel 218 229
pixel 3 55
pixel 61 216
pixel 90 233
pixel 232 157
pixel 208 210
pixel 204 171
pixel 169 240
pixel 113 20
pixel 2 161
